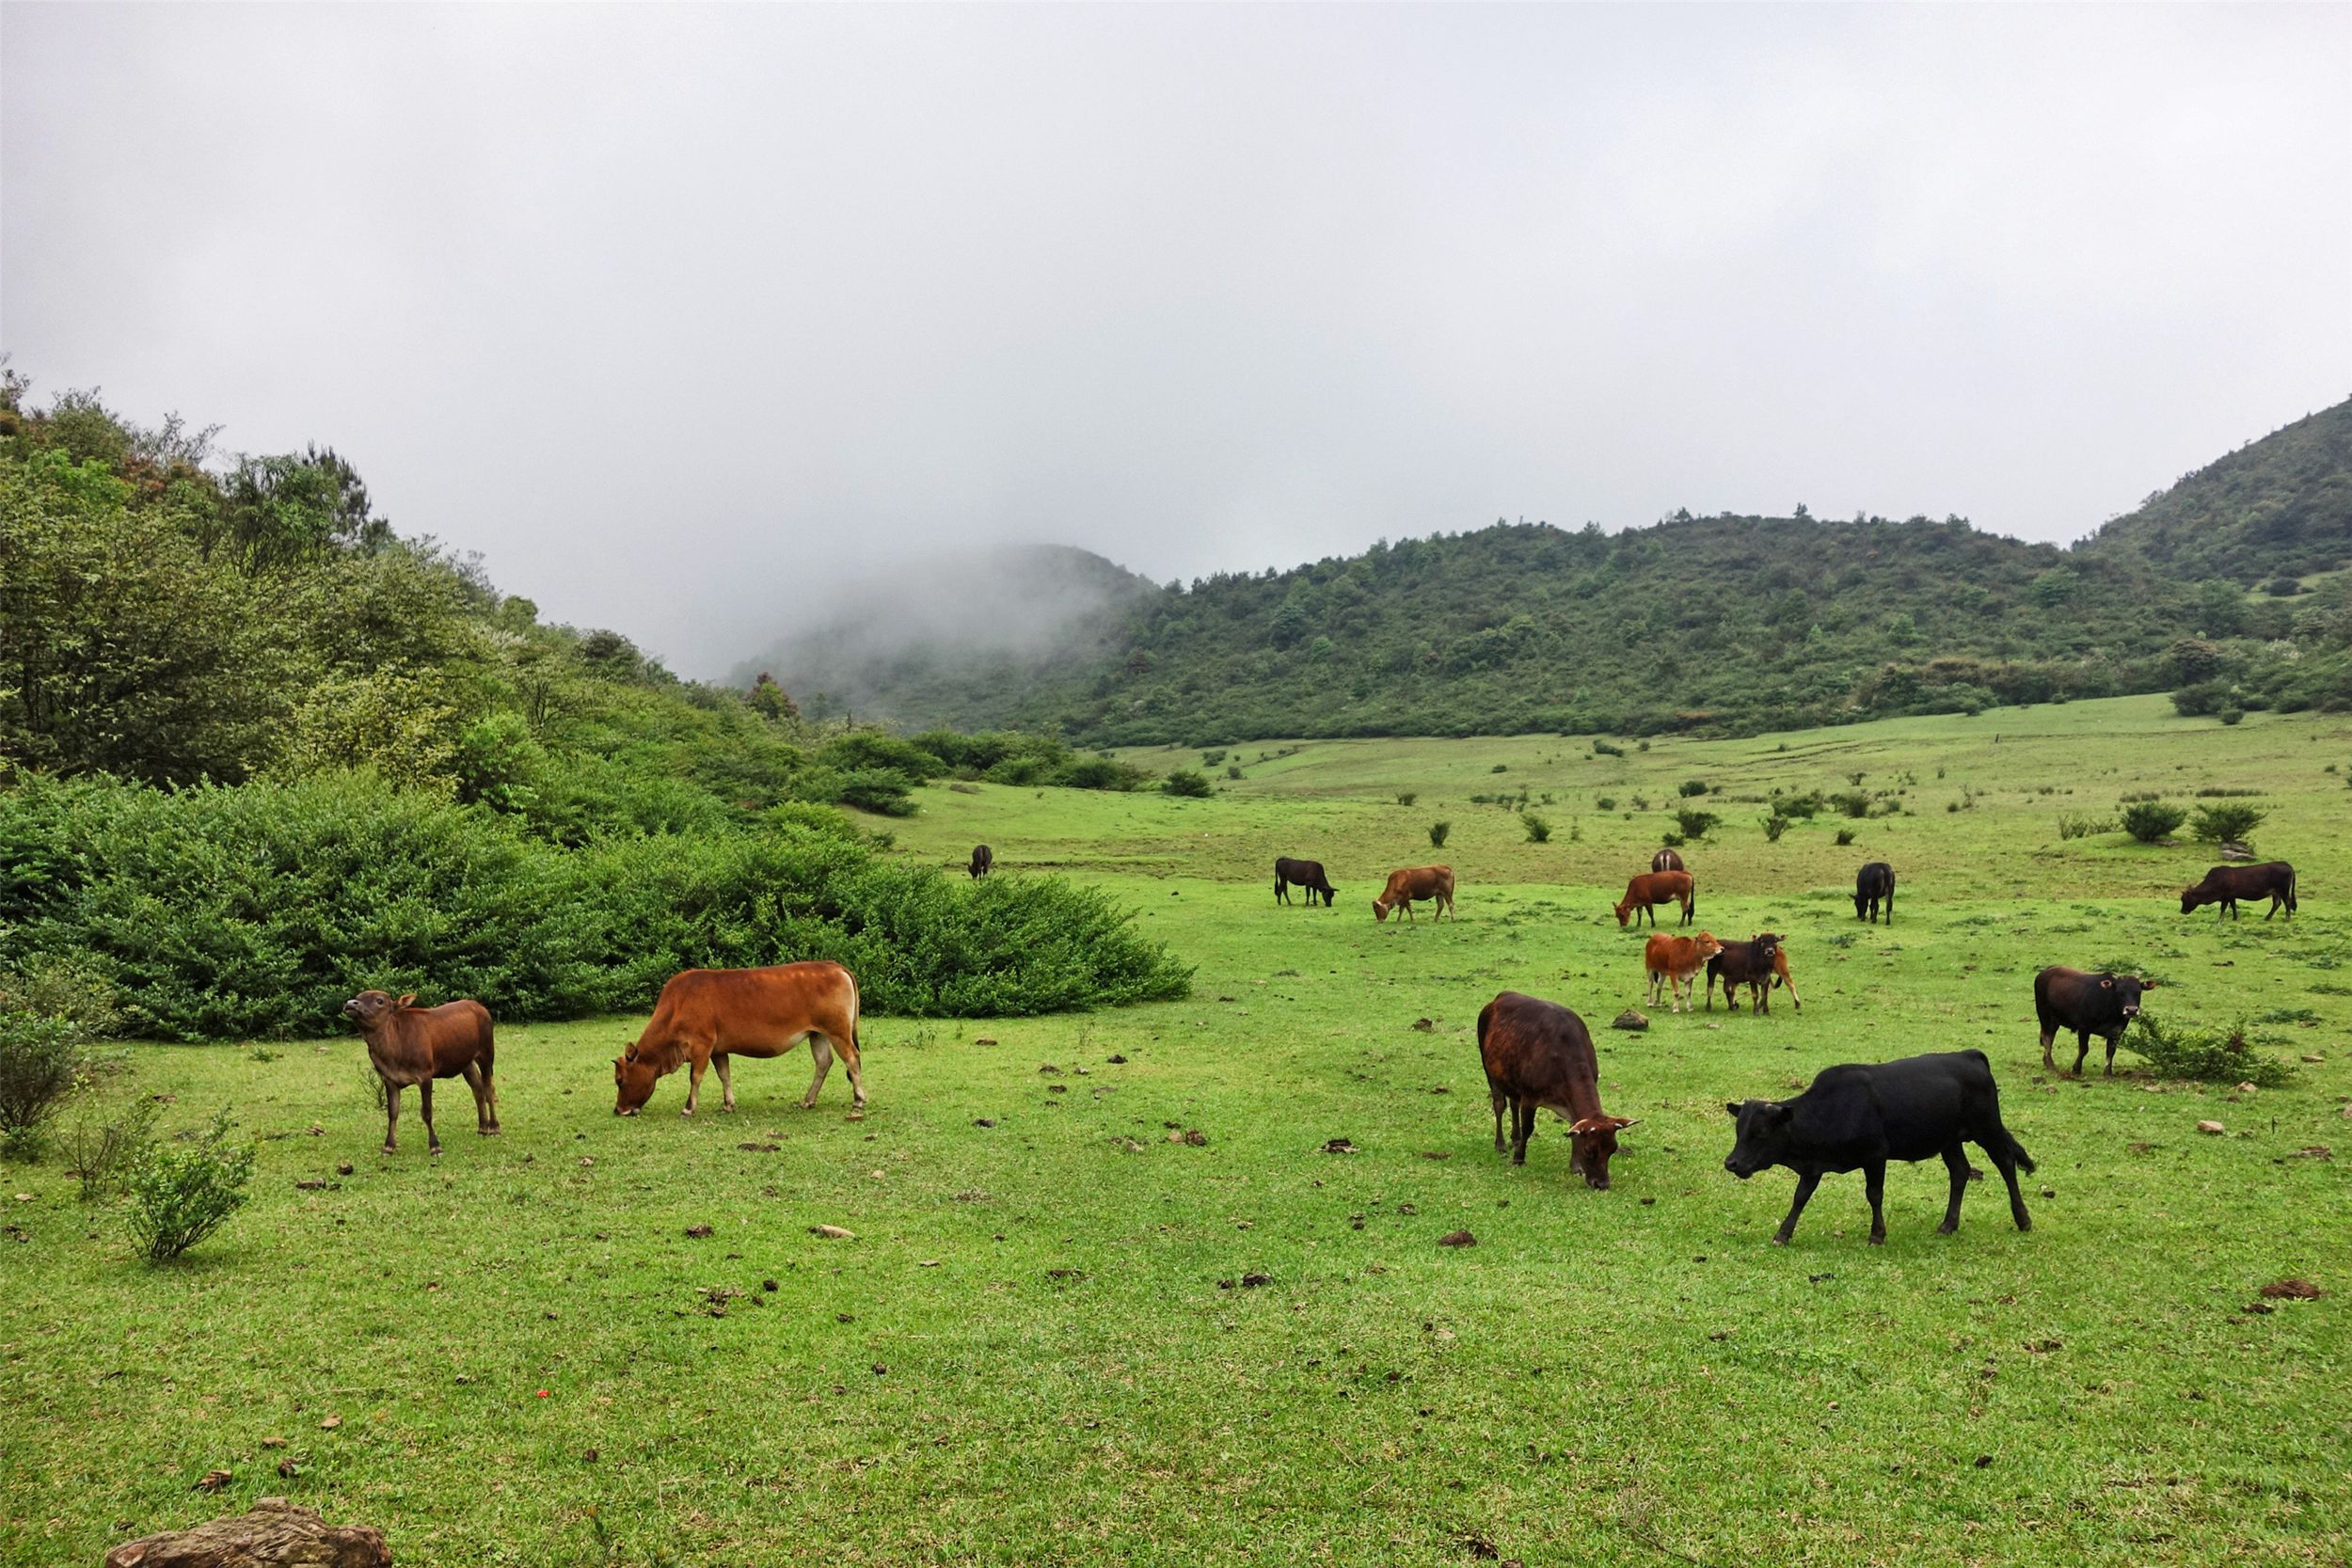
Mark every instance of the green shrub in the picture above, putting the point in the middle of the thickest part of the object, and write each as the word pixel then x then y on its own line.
pixel 1845 836
pixel 2232 715
pixel 1851 803
pixel 1606 802
pixel 1499 768
pixel 1690 788
pixel 2205 1055
pixel 1406 796
pixel 1672 840
pixel 1232 769
pixel 1774 827
pixel 1538 828
pixel 2084 827
pixel 1695 823
pixel 1602 748
pixel 2228 822
pixel 2151 821
pixel 1092 773
pixel 2202 698
pixel 181 1193
pixel 879 790
pixel 106 1142
pixel 1807 805
pixel 39 1058
pixel 1210 759
pixel 860 750
pixel 1436 833
pixel 1188 782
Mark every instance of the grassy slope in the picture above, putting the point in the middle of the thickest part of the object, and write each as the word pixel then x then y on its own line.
pixel 1602 1377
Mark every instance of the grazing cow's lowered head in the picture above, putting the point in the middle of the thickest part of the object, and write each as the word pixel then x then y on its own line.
pixel 635 1072
pixel 1592 1141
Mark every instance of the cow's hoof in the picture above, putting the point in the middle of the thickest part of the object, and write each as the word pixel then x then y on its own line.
pixel 1948 1229
pixel 1780 1241
pixel 728 1107
pixel 1878 1238
pixel 857 1115
pixel 389 1149
pixel 688 1112
pixel 487 1131
pixel 435 1152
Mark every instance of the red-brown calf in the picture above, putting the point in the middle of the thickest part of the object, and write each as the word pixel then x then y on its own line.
pixel 415 1045
pixel 1658 887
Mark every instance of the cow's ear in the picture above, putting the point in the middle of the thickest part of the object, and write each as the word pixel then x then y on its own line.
pixel 629 1054
pixel 1733 1106
pixel 1633 1121
pixel 409 1000
pixel 2148 985
pixel 2107 982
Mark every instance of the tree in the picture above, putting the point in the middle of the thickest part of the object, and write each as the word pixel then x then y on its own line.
pixel 771 702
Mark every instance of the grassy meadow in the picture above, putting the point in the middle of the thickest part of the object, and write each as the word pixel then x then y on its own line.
pixel 1057 1335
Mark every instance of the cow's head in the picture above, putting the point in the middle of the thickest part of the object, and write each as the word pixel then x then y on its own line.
pixel 634 1075
pixel 2125 990
pixel 1621 913
pixel 372 1007
pixel 1706 944
pixel 1592 1141
pixel 2194 898
pixel 1381 909
pixel 1763 1138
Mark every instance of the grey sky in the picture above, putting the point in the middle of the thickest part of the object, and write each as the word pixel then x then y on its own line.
pixel 678 315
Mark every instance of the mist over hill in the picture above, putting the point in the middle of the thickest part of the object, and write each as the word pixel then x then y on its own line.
pixel 1721 624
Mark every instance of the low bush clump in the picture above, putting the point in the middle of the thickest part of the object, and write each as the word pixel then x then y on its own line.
pixel 1406 796
pixel 106 1142
pixel 1187 783
pixel 1845 836
pixel 1807 805
pixel 1602 748
pixel 1853 802
pixel 2084 827
pixel 182 1191
pixel 1695 823
pixel 1538 828
pixel 2153 821
pixel 1690 788
pixel 2205 1055
pixel 2229 822
pixel 1774 827
pixel 1436 833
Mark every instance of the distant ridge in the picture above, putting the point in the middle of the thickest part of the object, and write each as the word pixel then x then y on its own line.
pixel 1723 625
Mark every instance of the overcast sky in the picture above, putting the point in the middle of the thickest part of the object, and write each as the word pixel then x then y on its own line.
pixel 678 315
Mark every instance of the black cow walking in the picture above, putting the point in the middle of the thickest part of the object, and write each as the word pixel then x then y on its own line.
pixel 1289 873
pixel 2226 885
pixel 2101 1003
pixel 1873 882
pixel 1859 1116
pixel 983 860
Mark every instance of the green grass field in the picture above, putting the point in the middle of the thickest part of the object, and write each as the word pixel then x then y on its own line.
pixel 1040 1345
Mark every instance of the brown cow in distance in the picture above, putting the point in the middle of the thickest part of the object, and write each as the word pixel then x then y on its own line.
pixel 1539 1054
pixel 1666 860
pixel 2225 885
pixel 1658 887
pixel 1407 883
pixel 709 1015
pixel 1675 962
pixel 415 1045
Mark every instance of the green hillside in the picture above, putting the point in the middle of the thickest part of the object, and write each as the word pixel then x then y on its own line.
pixel 1725 624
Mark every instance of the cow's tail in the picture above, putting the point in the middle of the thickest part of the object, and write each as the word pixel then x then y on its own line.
pixel 2017 1152
pixel 2290 893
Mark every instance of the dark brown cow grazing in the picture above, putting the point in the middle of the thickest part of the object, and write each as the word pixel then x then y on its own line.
pixel 2226 885
pixel 983 860
pixel 1539 1054
pixel 708 1015
pixel 1420 881
pixel 1289 873
pixel 1666 860
pixel 415 1045
pixel 1658 887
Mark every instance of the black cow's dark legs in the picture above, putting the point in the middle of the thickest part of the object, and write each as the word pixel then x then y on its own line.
pixel 2082 1053
pixel 1874 1187
pixel 424 1100
pixel 2007 1162
pixel 1957 1163
pixel 2113 1040
pixel 1805 1183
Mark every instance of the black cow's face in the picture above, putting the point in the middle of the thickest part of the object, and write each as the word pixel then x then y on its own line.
pixel 1762 1138
pixel 2125 989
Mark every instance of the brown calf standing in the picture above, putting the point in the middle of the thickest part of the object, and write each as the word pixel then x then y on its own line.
pixel 1407 883
pixel 1658 887
pixel 415 1045
pixel 1538 1053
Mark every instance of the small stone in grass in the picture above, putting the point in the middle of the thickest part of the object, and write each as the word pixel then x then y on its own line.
pixel 698 1231
pixel 1632 1018
pixel 2211 1128
pixel 832 1233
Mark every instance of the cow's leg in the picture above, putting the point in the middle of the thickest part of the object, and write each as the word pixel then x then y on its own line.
pixel 2113 1040
pixel 391 1116
pixel 1686 911
pixel 484 1122
pixel 2274 906
pixel 1805 1183
pixel 1494 1093
pixel 424 1108
pixel 727 1082
pixel 1794 1000
pixel 855 1064
pixel 2000 1146
pixel 1522 1128
pixel 1710 990
pixel 2082 1052
pixel 1874 1188
pixel 2049 1037
pixel 698 1064
pixel 821 1054
pixel 1955 1161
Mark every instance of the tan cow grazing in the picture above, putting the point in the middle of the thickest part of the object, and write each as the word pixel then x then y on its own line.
pixel 1658 887
pixel 708 1015
pixel 415 1045
pixel 1420 881
pixel 1538 1053
pixel 1675 962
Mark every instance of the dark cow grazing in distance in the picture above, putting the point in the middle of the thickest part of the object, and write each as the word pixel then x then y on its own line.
pixel 1406 883
pixel 706 1015
pixel 1861 1116
pixel 1752 963
pixel 2101 1003
pixel 2226 885
pixel 1539 1054
pixel 1873 882
pixel 983 860
pixel 1289 873
pixel 415 1045
pixel 1658 887
pixel 1666 860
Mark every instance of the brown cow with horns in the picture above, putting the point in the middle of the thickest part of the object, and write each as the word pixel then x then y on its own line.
pixel 708 1015
pixel 415 1045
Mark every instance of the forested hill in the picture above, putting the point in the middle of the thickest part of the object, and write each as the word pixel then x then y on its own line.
pixel 1717 624
pixel 2280 506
